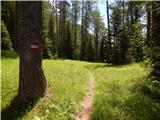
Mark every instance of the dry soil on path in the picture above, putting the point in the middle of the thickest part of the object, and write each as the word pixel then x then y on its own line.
pixel 86 103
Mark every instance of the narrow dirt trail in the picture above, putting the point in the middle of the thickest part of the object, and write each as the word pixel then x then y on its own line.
pixel 86 103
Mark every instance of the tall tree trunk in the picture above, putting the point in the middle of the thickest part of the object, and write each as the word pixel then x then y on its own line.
pixel 32 82
pixel 75 24
pixel 96 43
pixel 155 41
pixel 56 10
pixel 123 14
pixel 109 34
pixel 63 27
pixel 75 30
pixel 123 41
pixel 149 13
pixel 60 31
pixel 82 33
pixel 131 11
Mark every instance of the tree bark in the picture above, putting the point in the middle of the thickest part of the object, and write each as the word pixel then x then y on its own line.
pixel 123 14
pixel 149 13
pixel 109 34
pixel 32 82
pixel 63 27
pixel 155 41
pixel 82 33
pixel 57 30
pixel 96 43
pixel 75 26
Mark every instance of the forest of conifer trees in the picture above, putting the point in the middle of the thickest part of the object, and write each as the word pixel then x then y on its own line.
pixel 76 30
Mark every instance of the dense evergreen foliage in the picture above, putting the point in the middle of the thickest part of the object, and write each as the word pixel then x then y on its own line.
pixel 9 17
pixel 75 30
pixel 122 50
pixel 5 39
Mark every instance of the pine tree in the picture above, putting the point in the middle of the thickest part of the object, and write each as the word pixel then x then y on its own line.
pixel 8 15
pixel 52 34
pixel 32 82
pixel 68 46
pixel 90 49
pixel 109 46
pixel 103 47
pixel 87 7
pixel 47 48
pixel 5 39
pixel 75 19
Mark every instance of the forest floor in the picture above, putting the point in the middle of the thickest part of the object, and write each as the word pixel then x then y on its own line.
pixel 121 92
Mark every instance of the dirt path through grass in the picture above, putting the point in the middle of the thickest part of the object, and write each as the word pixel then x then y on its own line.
pixel 87 101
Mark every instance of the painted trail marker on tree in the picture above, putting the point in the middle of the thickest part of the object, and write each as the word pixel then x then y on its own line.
pixel 34 46
pixel 32 82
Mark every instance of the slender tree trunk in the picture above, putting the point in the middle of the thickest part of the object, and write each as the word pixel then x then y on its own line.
pixel 60 31
pixel 96 43
pixel 75 24
pixel 57 30
pixel 16 29
pixel 108 20
pixel 75 29
pixel 32 82
pixel 149 13
pixel 109 34
pixel 123 14
pixel 63 27
pixel 56 10
pixel 131 11
pixel 114 47
pixel 82 33
pixel 123 41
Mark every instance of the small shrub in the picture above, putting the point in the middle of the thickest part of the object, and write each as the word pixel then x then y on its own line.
pixel 8 54
pixel 5 39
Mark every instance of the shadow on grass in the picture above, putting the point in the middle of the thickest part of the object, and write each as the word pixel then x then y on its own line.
pixel 149 89
pixel 93 67
pixel 141 107
pixel 144 102
pixel 15 110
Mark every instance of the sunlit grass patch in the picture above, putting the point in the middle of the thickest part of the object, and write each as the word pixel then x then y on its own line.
pixel 121 93
pixel 118 98
pixel 66 79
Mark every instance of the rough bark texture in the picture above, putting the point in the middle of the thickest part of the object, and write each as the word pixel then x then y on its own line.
pixel 155 41
pixel 32 82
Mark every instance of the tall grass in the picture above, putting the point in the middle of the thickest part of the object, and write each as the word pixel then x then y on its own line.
pixel 121 93
pixel 118 94
pixel 67 81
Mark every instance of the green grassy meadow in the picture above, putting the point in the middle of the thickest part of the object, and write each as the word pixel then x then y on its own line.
pixel 124 93
pixel 67 81
pixel 121 93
